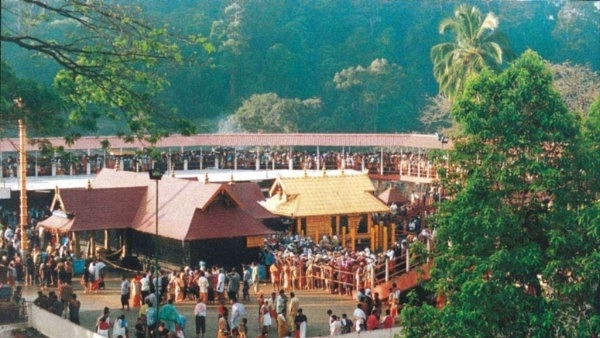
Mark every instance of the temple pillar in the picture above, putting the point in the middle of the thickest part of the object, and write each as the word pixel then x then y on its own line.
pixel 76 248
pixel 372 232
pixel 385 238
pixel 106 240
pixel 353 235
pixel 92 246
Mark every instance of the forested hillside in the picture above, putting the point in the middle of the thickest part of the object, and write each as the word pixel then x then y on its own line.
pixel 323 65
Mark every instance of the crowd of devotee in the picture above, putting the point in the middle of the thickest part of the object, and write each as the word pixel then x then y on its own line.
pixel 293 264
pixel 40 265
pixel 78 163
pixel 287 264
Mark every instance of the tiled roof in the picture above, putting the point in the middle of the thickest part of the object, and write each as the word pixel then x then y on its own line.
pixel 425 141
pixel 219 221
pixel 249 194
pixel 324 195
pixel 391 195
pixel 122 199
pixel 95 209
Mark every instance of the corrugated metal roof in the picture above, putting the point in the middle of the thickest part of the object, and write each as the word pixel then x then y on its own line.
pixel 425 141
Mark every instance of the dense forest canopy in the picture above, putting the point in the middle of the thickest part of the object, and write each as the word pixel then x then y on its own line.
pixel 295 51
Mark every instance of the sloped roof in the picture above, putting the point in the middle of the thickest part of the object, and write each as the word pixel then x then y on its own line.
pixel 249 195
pixel 219 221
pixel 95 209
pixel 177 200
pixel 128 199
pixel 57 222
pixel 323 195
pixel 426 141
pixel 391 195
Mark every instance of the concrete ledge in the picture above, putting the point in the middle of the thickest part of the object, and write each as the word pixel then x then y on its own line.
pixel 382 333
pixel 56 327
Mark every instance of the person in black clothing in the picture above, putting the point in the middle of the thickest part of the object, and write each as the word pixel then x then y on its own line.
pixel 140 328
pixel 163 332
pixel 74 306
pixel 29 270
pixel 41 300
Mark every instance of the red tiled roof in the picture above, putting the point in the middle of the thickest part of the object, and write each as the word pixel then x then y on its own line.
pixel 248 193
pixel 425 141
pixel 96 209
pixel 391 195
pixel 128 199
pixel 218 221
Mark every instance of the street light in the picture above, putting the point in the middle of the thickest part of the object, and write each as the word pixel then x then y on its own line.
pixel 156 174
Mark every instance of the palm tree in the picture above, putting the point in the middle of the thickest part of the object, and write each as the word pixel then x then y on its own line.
pixel 478 44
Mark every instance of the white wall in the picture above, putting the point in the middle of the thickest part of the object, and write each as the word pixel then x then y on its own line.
pixel 382 333
pixel 54 326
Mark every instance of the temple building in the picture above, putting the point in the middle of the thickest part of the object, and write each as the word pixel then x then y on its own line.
pixel 194 220
pixel 339 204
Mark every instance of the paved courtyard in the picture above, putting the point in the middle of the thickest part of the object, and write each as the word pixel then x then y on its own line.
pixel 315 304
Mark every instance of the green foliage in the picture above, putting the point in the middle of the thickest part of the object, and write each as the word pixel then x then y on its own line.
pixel 516 247
pixel 420 321
pixel 42 110
pixel 579 85
pixel 108 57
pixel 268 113
pixel 292 48
pixel 478 44
pixel 368 89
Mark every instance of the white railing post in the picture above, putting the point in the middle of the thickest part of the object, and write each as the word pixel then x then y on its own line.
pixel 407 261
pixel 387 269
pixel 372 275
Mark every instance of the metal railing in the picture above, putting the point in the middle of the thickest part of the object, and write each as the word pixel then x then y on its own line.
pixel 341 280
pixel 15 312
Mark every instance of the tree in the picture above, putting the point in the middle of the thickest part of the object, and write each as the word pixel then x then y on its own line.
pixel 576 28
pixel 435 116
pixel 478 44
pixel 38 105
pixel 517 244
pixel 108 58
pixel 268 113
pixel 232 42
pixel 579 85
pixel 368 88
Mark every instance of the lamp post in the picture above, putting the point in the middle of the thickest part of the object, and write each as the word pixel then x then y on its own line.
pixel 156 174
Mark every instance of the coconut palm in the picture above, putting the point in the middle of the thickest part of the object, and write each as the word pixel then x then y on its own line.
pixel 477 44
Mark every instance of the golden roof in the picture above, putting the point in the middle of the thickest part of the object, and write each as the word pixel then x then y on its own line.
pixel 323 195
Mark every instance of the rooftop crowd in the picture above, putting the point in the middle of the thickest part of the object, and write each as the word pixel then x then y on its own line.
pixel 77 163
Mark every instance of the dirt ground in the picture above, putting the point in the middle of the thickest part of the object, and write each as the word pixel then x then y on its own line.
pixel 314 303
